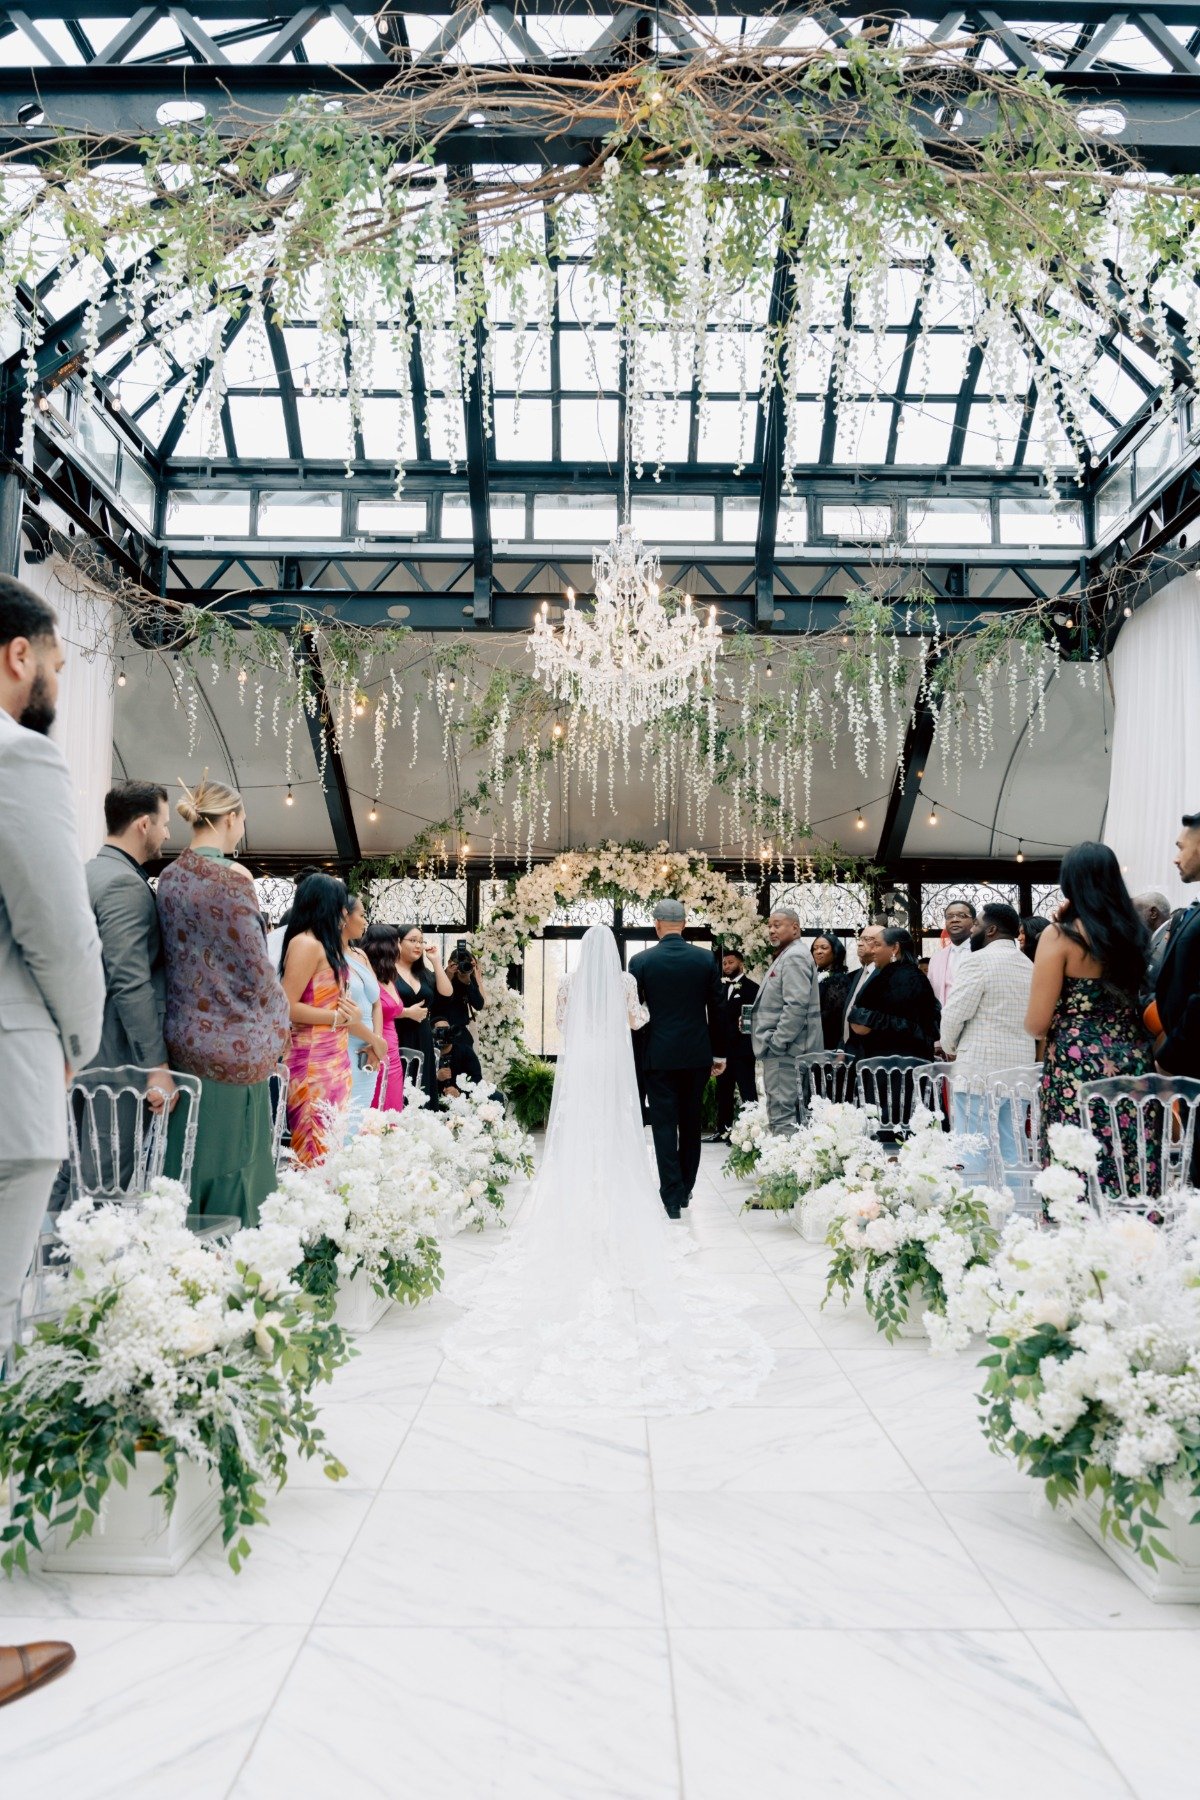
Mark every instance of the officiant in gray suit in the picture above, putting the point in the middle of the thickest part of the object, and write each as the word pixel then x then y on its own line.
pixel 785 1020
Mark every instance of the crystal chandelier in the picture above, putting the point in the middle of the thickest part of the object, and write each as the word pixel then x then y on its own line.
pixel 631 658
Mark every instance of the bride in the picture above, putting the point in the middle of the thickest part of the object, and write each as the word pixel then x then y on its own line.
pixel 591 1306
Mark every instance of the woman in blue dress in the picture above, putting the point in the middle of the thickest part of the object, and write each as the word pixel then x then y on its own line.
pixel 369 1047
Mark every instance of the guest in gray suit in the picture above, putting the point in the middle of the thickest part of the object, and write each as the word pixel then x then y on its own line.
pixel 785 1020
pixel 51 978
pixel 138 817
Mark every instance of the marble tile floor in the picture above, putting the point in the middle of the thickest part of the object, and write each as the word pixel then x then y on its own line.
pixel 834 1591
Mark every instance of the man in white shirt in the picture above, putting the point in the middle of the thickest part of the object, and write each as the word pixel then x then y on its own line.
pixel 983 1027
pixel 948 960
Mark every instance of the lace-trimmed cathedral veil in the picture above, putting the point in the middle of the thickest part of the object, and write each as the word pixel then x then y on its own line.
pixel 591 1305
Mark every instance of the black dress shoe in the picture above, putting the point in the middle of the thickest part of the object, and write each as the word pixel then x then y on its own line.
pixel 686 1202
pixel 672 1212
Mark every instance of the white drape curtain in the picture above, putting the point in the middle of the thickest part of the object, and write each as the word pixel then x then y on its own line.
pixel 1155 774
pixel 83 729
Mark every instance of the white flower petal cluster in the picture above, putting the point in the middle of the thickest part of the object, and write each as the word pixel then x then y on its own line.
pixel 1121 1297
pixel 909 1224
pixel 169 1316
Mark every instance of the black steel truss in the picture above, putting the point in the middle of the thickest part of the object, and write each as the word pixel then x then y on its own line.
pixel 118 88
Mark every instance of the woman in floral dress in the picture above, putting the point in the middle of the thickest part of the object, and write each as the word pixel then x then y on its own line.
pixel 1087 973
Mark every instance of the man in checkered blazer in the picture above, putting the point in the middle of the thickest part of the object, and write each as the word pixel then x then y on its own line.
pixel 983 1027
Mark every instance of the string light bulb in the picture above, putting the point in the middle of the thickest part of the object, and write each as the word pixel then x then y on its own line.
pixel 557 729
pixel 1020 849
pixel 374 812
pixel 360 705
pixel 306 390
pixel 933 818
pixel 289 798
pixel 860 824
pixel 121 676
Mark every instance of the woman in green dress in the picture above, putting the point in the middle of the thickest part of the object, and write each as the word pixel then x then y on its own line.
pixel 227 1015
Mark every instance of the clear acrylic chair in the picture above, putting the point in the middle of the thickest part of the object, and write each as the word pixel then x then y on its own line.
pixel 413 1064
pixel 826 1074
pixel 887 1084
pixel 1012 1101
pixel 1151 1122
pixel 278 1087
pixel 116 1145
pixel 932 1083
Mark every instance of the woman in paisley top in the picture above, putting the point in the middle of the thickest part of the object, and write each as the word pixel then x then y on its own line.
pixel 1087 973
pixel 227 1018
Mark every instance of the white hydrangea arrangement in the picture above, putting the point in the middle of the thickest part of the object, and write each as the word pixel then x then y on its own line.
pixel 835 1142
pixel 748 1135
pixel 1093 1376
pixel 912 1230
pixel 376 1204
pixel 170 1343
pixel 490 1146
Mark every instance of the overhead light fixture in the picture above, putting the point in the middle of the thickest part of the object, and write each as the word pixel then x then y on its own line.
pixel 121 676
pixel 860 824
pixel 289 798
pixel 556 729
pixel 374 812
pixel 1020 849
pixel 933 818
pixel 768 670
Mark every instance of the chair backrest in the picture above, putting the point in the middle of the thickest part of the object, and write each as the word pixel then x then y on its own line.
pixel 278 1090
pixel 931 1084
pixel 1012 1098
pixel 1150 1123
pixel 825 1073
pixel 886 1083
pixel 115 1144
pixel 413 1063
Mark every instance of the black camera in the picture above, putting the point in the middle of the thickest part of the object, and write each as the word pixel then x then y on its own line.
pixel 464 962
pixel 443 1037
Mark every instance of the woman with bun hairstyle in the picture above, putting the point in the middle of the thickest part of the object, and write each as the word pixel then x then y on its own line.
pixel 227 1016
pixel 315 971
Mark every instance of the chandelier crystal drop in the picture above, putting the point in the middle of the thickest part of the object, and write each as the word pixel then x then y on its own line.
pixel 632 657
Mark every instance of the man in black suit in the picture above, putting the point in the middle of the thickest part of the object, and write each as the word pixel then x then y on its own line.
pixel 738 991
pixel 685 1041
pixel 1177 991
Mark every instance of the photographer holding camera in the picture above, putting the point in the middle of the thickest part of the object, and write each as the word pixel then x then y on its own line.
pixel 452 1013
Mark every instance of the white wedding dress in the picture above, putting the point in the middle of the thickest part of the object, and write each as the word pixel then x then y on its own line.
pixel 591 1305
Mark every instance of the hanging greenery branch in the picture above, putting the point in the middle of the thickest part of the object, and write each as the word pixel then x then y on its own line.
pixel 691 176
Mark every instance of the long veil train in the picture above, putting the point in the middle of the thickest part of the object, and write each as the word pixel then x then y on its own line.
pixel 592 1305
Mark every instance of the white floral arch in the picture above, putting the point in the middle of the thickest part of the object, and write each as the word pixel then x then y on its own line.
pixel 610 871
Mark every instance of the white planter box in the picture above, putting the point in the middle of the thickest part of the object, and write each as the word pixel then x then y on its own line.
pixel 1171 1581
pixel 134 1535
pixel 912 1326
pixel 812 1222
pixel 359 1308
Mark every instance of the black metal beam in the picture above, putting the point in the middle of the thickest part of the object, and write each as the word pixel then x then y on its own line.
pixel 338 803
pixel 116 106
pixel 1055 12
pixel 779 311
pixel 906 782
pixel 514 613
pixel 476 428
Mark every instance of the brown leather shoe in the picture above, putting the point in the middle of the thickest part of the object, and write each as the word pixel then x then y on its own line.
pixel 24 1667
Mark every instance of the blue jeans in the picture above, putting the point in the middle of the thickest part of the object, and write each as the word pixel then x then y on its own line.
pixel 970 1115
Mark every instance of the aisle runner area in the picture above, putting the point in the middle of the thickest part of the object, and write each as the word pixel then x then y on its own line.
pixel 836 1591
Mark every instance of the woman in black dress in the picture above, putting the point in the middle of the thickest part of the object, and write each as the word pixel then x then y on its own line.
pixel 420 978
pixel 834 979
pixel 899 1014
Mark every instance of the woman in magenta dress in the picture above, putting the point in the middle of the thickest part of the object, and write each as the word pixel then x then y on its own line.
pixel 382 944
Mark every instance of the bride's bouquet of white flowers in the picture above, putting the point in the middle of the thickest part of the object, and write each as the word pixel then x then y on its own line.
pixel 911 1229
pixel 834 1142
pixel 165 1342
pixel 1093 1376
pixel 748 1135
